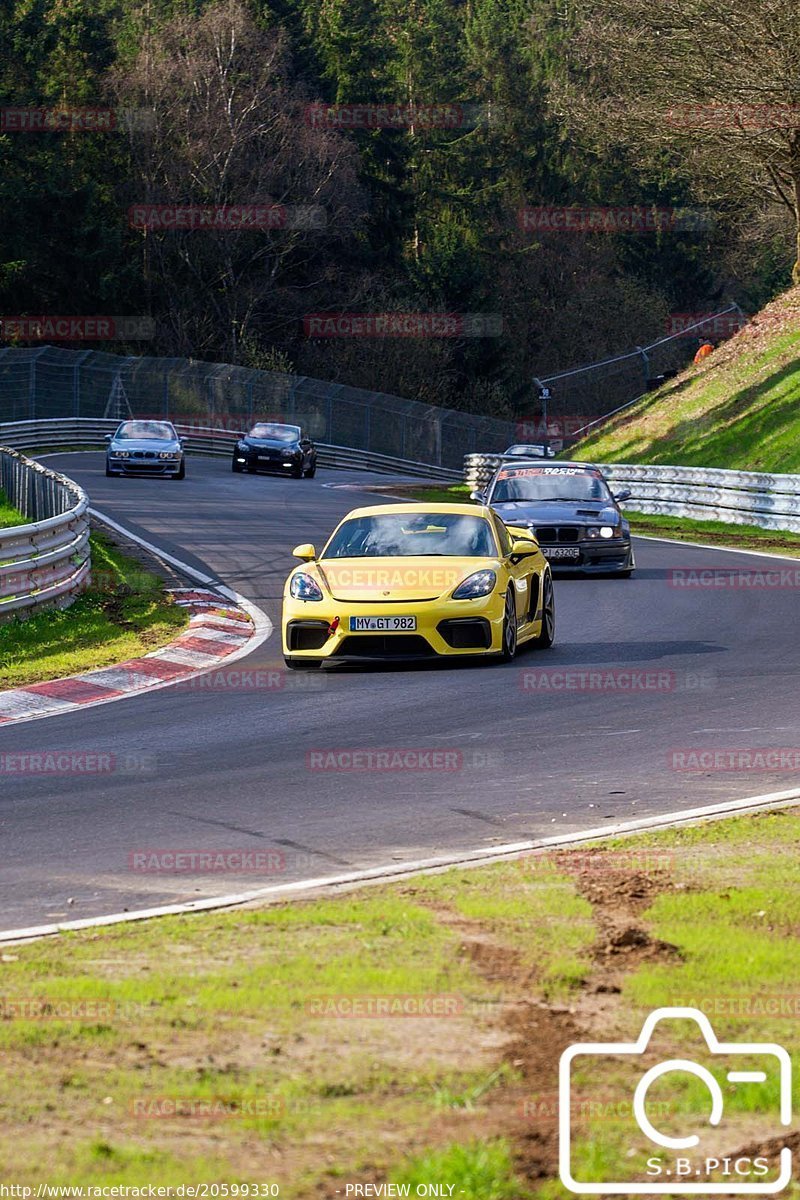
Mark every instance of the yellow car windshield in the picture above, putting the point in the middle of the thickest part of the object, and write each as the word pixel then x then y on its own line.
pixel 405 535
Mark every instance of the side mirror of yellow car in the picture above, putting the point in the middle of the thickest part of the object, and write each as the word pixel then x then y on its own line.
pixel 523 548
pixel 305 551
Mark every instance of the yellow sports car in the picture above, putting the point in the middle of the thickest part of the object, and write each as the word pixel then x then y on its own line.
pixel 416 581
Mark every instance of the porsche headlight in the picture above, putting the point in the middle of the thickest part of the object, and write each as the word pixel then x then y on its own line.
pixel 304 587
pixel 479 584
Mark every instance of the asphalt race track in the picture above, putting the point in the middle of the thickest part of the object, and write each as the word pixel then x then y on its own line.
pixel 231 768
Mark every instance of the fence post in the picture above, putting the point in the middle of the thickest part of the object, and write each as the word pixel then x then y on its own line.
pixel 76 383
pixel 645 365
pixel 32 385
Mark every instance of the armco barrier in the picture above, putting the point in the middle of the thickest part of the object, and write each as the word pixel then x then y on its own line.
pixel 46 561
pixel 83 432
pixel 705 493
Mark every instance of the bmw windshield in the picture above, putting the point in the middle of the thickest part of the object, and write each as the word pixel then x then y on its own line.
pixel 542 484
pixel 138 431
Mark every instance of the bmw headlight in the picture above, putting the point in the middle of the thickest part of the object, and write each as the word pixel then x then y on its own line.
pixel 173 454
pixel 479 584
pixel 120 454
pixel 602 531
pixel 304 587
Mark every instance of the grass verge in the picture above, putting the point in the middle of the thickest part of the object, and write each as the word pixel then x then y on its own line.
pixel 125 613
pixel 230 1047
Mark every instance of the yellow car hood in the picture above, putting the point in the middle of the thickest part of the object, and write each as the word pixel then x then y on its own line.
pixel 384 580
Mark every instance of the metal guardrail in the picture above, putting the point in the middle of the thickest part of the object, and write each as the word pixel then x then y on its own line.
pixel 713 493
pixel 83 432
pixel 705 493
pixel 46 561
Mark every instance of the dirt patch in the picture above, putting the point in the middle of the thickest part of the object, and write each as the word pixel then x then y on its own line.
pixel 526 1111
pixel 618 897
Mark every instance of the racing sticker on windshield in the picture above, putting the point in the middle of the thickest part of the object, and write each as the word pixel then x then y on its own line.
pixel 522 472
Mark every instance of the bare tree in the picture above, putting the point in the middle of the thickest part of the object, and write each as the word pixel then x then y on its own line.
pixel 709 89
pixel 228 129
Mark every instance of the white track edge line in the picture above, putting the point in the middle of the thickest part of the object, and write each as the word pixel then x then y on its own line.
pixel 261 622
pixel 482 856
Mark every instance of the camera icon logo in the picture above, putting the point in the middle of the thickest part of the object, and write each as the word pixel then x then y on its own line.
pixel 684 1163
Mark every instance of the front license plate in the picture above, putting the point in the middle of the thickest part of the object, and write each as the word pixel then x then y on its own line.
pixel 382 624
pixel 570 552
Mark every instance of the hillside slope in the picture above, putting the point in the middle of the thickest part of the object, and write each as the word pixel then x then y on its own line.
pixel 739 409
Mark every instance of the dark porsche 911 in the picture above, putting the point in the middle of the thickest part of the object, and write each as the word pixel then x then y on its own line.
pixel 570 511
pixel 273 447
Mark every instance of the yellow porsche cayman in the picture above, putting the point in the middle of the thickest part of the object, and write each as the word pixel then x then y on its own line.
pixel 413 581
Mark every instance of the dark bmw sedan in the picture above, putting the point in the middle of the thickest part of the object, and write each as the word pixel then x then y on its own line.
pixel 273 447
pixel 570 511
pixel 145 448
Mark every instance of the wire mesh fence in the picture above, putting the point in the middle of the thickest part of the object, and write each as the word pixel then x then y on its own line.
pixel 583 397
pixel 47 382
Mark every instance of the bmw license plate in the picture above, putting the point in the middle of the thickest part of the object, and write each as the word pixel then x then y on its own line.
pixel 568 552
pixel 382 624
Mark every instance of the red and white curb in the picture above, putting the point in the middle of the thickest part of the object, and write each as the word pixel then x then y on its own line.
pixel 218 629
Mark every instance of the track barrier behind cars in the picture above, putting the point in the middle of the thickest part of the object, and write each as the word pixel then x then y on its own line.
pixel 704 493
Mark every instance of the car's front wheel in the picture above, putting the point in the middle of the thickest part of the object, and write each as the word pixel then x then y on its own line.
pixel 312 470
pixel 181 473
pixel 109 472
pixel 236 467
pixel 509 646
pixel 546 637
